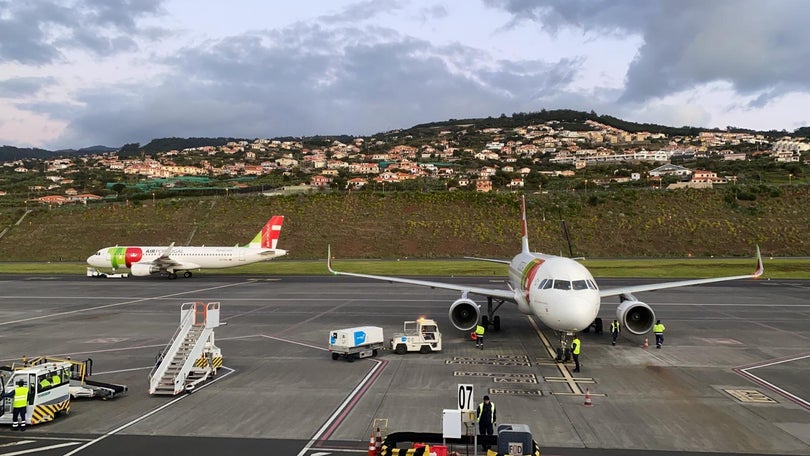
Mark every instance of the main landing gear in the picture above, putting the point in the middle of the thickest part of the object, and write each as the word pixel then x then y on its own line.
pixel 173 275
pixel 490 317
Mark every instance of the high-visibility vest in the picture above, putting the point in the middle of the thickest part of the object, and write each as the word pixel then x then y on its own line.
pixel 479 330
pixel 481 410
pixel 20 397
pixel 56 379
pixel 658 329
pixel 44 383
pixel 614 327
pixel 575 346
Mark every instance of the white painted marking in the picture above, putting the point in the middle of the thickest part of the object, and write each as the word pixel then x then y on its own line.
pixel 773 387
pixel 107 306
pixel 343 405
pixel 147 415
pixel 123 370
pixel 19 442
pixel 106 340
pixel 42 449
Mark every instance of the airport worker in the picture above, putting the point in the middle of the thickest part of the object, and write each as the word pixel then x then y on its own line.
pixel 479 336
pixel 56 379
pixel 44 383
pixel 615 328
pixel 486 418
pixel 19 405
pixel 658 329
pixel 576 346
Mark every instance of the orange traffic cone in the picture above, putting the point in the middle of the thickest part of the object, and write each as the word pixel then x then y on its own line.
pixel 646 343
pixel 378 441
pixel 372 446
pixel 588 402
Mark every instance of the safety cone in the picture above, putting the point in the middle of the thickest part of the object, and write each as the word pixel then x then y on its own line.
pixel 588 402
pixel 372 446
pixel 378 441
pixel 646 343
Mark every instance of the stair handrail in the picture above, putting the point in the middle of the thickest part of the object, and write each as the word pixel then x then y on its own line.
pixel 161 365
pixel 193 354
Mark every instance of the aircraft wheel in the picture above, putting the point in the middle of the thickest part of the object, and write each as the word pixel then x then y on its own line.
pixel 484 321
pixel 172 275
pixel 187 274
pixel 496 322
pixel 597 326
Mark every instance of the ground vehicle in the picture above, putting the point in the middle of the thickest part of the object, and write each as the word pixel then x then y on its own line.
pixel 421 335
pixel 48 390
pixel 93 272
pixel 356 343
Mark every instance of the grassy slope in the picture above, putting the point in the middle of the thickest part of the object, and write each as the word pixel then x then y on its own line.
pixel 432 225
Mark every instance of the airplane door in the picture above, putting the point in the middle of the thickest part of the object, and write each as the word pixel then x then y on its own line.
pixel 240 255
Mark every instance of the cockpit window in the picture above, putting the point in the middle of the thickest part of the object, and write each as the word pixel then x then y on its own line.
pixel 592 285
pixel 580 285
pixel 562 284
pixel 545 284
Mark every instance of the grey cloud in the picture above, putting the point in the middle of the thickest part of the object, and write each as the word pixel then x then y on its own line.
pixel 361 11
pixel 16 87
pixel 99 26
pixel 310 79
pixel 760 47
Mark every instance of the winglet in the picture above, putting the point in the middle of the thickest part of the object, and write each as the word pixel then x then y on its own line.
pixel 524 241
pixel 168 251
pixel 760 265
pixel 329 259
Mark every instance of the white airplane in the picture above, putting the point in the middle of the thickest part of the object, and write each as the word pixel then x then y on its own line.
pixel 559 291
pixel 168 260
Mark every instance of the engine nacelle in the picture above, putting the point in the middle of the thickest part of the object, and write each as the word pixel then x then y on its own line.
pixel 464 314
pixel 143 269
pixel 636 316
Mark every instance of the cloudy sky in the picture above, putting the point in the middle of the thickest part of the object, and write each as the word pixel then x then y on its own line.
pixel 76 73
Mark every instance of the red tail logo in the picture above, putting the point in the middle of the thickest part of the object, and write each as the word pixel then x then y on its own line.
pixel 272 231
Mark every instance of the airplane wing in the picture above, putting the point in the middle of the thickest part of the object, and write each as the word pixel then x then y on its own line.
pixel 682 283
pixel 493 292
pixel 165 262
pixel 491 260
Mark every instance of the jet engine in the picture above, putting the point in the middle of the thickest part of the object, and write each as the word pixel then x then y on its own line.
pixel 635 315
pixel 143 269
pixel 464 314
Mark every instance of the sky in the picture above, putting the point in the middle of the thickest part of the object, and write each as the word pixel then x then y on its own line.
pixel 77 73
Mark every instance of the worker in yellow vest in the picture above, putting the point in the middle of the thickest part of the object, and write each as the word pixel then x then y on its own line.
pixel 479 337
pixel 576 346
pixel 19 405
pixel 658 329
pixel 615 328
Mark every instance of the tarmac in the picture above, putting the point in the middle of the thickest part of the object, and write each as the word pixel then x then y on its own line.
pixel 731 377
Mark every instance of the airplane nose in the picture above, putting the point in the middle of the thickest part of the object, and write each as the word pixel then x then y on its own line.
pixel 579 312
pixel 95 261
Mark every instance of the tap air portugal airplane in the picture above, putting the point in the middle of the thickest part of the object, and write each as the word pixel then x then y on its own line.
pixel 169 260
pixel 559 291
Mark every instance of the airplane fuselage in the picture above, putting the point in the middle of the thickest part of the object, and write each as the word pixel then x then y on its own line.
pixel 559 291
pixel 190 257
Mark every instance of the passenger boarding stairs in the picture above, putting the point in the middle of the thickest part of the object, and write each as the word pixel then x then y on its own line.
pixel 191 357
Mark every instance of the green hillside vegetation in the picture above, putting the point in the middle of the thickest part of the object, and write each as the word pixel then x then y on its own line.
pixel 629 223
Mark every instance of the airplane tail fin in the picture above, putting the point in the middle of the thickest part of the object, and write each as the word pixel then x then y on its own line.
pixel 267 238
pixel 524 242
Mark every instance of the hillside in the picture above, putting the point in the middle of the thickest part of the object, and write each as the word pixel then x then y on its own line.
pixel 632 223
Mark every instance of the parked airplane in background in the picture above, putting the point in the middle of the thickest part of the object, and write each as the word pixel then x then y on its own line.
pixel 169 260
pixel 559 291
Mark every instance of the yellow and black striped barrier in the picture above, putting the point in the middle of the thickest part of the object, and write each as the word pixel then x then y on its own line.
pixel 45 413
pixel 203 362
